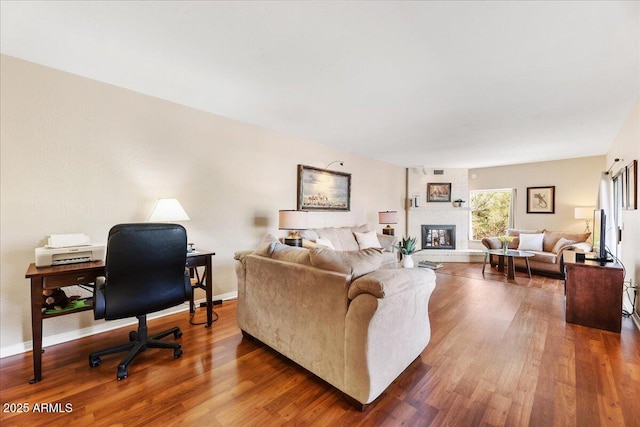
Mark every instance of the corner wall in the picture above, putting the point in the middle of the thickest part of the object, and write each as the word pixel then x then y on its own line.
pixel 79 156
pixel 576 182
pixel 627 146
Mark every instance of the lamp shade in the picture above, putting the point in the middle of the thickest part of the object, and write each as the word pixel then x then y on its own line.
pixel 584 212
pixel 293 220
pixel 388 217
pixel 167 210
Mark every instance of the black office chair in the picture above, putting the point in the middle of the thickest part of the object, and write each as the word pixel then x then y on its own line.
pixel 144 273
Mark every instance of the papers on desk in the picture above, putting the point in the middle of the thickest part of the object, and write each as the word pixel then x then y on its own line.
pixel 67 240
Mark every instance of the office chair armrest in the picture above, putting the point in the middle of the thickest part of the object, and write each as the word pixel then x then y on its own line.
pixel 99 304
pixel 188 289
pixel 100 281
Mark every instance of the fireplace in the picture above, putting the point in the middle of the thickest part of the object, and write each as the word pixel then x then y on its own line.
pixel 438 236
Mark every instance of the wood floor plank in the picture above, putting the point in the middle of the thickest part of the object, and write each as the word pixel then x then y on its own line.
pixel 501 354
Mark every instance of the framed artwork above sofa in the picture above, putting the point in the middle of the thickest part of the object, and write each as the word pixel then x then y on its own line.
pixel 541 200
pixel 323 189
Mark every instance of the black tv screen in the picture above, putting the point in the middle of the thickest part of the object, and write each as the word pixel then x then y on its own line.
pixel 599 235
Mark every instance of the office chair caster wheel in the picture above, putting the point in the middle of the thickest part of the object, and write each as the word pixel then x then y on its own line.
pixel 133 336
pixel 177 353
pixel 177 334
pixel 122 372
pixel 94 361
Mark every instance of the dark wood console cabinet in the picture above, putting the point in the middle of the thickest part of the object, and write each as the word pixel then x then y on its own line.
pixel 594 294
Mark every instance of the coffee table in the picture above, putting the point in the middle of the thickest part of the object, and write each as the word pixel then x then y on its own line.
pixel 510 255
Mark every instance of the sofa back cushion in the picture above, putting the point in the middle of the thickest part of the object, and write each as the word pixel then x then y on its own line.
pixel 355 263
pixel 342 238
pixel 515 233
pixel 552 237
pixel 279 251
pixel 530 242
pixel 367 240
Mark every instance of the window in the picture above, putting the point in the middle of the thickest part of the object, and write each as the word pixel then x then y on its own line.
pixel 491 212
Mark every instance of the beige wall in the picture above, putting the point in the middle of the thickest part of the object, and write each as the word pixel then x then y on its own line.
pixel 80 156
pixel 576 182
pixel 627 146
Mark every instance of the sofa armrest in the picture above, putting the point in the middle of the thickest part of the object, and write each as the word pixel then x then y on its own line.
pixel 387 242
pixel 491 242
pixel 582 247
pixel 386 282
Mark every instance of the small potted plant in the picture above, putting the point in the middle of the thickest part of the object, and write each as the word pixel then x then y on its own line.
pixel 458 202
pixel 407 247
pixel 505 242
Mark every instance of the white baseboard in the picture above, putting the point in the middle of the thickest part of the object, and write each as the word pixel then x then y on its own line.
pixel 48 341
pixel 450 255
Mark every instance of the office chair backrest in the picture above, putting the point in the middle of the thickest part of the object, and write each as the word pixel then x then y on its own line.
pixel 145 269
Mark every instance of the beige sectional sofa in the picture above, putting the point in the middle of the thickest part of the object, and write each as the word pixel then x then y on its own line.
pixel 336 313
pixel 548 258
pixel 351 239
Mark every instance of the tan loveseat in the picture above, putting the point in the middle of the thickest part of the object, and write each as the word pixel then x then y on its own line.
pixel 336 313
pixel 549 258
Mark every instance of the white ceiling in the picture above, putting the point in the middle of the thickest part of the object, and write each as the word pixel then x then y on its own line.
pixel 447 84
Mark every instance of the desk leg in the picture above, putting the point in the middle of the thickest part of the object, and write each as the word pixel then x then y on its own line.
pixel 36 328
pixel 209 291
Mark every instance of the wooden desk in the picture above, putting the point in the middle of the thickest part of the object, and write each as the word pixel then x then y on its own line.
pixel 85 274
pixel 594 294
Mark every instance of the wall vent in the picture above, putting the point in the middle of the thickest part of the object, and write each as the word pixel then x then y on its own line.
pixel 438 171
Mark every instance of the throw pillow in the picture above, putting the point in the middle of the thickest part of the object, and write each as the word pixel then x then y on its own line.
pixel 367 240
pixel 355 263
pixel 562 242
pixel 530 242
pixel 325 242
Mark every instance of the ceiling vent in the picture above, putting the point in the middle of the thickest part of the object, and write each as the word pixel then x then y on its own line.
pixel 438 171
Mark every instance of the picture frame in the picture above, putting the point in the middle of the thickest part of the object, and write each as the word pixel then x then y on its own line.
pixel 323 189
pixel 439 192
pixel 541 200
pixel 632 185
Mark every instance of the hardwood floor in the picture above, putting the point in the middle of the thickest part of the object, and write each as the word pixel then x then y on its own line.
pixel 500 354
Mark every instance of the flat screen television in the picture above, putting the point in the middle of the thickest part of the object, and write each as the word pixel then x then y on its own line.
pixel 599 236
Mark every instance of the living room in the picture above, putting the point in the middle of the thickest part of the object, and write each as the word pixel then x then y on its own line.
pixel 80 155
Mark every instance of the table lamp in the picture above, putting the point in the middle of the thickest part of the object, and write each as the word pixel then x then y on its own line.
pixel 585 213
pixel 293 221
pixel 169 210
pixel 388 217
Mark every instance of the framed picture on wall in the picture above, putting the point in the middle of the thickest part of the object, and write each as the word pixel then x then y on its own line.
pixel 439 192
pixel 632 185
pixel 323 190
pixel 541 200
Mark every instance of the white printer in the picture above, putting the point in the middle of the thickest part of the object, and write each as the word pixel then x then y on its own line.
pixel 68 249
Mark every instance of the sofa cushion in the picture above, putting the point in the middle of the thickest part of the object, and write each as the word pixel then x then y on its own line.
pixel 387 242
pixel 552 237
pixel 530 242
pixel 367 240
pixel 279 251
pixel 325 243
pixel 547 257
pixel 309 235
pixel 341 237
pixel 387 282
pixel 515 233
pixel 356 263
pixel 561 243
